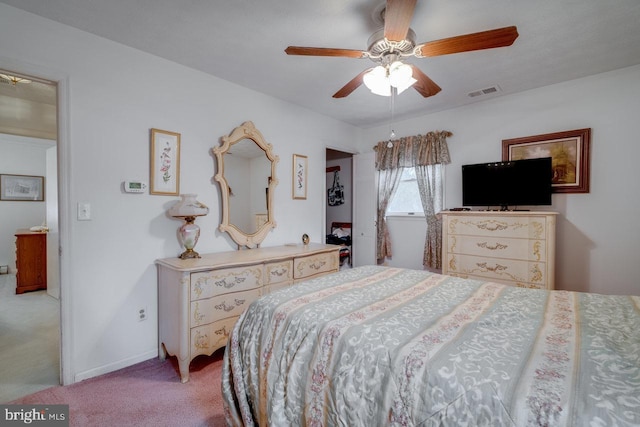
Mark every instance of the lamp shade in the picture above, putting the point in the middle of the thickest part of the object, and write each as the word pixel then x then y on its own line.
pixel 401 76
pixel 188 206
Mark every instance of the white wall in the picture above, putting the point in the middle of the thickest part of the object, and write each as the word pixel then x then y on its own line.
pixel 20 156
pixel 115 94
pixel 598 233
pixel 408 234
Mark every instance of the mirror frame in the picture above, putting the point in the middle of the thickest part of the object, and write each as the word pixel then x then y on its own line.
pixel 245 131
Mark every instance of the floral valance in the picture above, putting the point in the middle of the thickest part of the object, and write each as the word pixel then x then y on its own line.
pixel 411 151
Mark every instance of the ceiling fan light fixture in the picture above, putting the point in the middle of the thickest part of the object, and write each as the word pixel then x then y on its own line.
pixel 381 79
pixel 14 79
pixel 377 81
pixel 401 76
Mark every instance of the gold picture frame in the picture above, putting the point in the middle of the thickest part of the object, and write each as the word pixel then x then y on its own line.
pixel 165 163
pixel 299 178
pixel 569 152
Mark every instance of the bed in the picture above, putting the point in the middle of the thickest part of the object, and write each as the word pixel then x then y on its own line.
pixel 378 346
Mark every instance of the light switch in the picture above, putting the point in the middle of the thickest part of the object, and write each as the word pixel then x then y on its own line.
pixel 84 211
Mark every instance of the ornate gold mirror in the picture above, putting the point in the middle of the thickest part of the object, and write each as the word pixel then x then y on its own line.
pixel 247 178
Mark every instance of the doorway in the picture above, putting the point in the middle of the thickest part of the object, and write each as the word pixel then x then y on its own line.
pixel 29 144
pixel 339 216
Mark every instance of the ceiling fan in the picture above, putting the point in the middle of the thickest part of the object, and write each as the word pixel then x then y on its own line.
pixel 395 41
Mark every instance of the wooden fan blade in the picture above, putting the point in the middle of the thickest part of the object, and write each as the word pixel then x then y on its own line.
pixel 397 18
pixel 324 51
pixel 424 85
pixel 499 37
pixel 352 85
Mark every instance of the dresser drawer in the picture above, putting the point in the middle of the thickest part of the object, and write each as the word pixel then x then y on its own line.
pixel 208 338
pixel 309 266
pixel 207 310
pixel 498 247
pixel 515 272
pixel 216 282
pixel 278 272
pixel 530 227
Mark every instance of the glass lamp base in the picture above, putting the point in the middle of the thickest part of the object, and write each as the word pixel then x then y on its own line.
pixel 189 234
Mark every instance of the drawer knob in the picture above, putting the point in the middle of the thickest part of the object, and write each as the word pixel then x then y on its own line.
pixel 317 265
pixel 497 246
pixel 498 267
pixel 236 280
pixel 225 307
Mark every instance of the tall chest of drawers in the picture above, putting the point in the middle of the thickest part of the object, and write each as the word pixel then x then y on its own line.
pixel 515 248
pixel 199 300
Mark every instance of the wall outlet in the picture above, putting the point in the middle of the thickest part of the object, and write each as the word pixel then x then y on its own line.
pixel 142 314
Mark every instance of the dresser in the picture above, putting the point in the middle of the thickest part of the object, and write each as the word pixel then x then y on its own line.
pixel 514 247
pixel 199 300
pixel 31 261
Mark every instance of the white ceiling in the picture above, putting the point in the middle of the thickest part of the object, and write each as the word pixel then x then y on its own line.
pixel 243 41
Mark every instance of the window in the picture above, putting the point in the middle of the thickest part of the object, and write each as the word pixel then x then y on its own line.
pixel 406 199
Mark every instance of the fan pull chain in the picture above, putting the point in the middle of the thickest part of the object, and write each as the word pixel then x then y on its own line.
pixel 392 133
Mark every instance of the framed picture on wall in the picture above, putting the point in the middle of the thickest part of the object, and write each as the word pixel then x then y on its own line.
pixel 299 181
pixel 569 152
pixel 24 188
pixel 165 163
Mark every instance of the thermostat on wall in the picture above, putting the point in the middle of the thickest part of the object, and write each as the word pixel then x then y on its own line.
pixel 134 186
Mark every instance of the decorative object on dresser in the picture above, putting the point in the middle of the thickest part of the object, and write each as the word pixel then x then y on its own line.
pixel 515 248
pixel 199 300
pixel 24 188
pixel 247 164
pixel 31 260
pixel 165 163
pixel 569 151
pixel 188 208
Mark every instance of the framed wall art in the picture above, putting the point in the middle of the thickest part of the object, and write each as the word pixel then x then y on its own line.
pixel 24 188
pixel 299 176
pixel 569 152
pixel 165 163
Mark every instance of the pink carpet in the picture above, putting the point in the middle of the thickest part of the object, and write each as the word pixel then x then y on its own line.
pixel 146 394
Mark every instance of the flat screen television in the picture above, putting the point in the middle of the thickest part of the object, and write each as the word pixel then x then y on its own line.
pixel 507 184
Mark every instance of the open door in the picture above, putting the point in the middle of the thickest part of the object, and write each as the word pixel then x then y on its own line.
pixel 364 209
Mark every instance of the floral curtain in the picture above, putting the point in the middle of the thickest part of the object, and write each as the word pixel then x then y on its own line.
pixel 388 181
pixel 422 152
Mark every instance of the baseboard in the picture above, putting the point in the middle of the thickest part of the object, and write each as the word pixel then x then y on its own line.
pixel 101 370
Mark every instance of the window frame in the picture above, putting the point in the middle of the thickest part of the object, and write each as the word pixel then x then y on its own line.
pixel 389 213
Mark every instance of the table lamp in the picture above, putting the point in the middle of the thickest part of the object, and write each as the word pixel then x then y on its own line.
pixel 188 208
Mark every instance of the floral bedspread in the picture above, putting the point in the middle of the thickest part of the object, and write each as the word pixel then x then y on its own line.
pixel 379 346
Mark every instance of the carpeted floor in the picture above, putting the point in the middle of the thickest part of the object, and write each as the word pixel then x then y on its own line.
pixel 146 394
pixel 29 341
